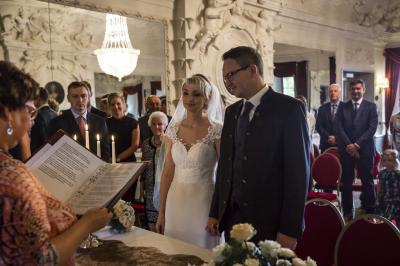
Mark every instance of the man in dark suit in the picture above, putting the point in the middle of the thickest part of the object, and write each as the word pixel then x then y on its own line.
pixel 153 103
pixel 73 120
pixel 41 127
pixel 91 108
pixel 263 171
pixel 326 115
pixel 355 125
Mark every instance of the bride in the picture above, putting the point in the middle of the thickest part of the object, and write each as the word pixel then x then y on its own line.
pixel 192 151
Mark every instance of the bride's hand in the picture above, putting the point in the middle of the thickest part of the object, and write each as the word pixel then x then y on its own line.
pixel 160 225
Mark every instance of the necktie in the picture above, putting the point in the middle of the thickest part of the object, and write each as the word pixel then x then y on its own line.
pixel 355 107
pixel 81 123
pixel 244 120
pixel 333 112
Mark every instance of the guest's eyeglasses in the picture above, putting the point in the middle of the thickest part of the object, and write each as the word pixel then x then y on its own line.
pixel 230 75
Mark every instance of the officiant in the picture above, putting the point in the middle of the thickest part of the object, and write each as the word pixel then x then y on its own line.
pixel 74 120
pixel 35 227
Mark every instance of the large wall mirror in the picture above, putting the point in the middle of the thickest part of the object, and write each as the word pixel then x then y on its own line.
pixel 56 43
pixel 303 71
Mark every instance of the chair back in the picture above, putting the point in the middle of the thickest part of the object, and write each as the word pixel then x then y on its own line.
pixel 368 240
pixel 377 160
pixel 326 171
pixel 333 151
pixel 316 150
pixel 323 224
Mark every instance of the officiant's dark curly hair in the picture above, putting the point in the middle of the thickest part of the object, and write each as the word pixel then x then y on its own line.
pixel 16 87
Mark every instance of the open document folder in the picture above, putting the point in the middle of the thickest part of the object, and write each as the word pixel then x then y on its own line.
pixel 79 178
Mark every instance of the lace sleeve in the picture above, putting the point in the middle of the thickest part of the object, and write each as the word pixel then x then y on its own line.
pixel 216 131
pixel 171 132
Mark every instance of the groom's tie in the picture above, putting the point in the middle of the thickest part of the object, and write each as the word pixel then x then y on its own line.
pixel 244 121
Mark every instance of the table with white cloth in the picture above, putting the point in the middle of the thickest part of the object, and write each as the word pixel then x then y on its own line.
pixel 144 247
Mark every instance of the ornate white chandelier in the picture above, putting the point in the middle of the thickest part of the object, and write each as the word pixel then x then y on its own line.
pixel 117 56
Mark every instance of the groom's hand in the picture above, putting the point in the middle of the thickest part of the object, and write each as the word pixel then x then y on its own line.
pixel 212 226
pixel 286 241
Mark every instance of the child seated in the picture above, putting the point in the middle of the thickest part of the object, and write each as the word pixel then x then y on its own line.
pixel 388 204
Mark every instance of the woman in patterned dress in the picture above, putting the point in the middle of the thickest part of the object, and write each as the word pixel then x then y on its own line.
pixel 151 147
pixel 35 227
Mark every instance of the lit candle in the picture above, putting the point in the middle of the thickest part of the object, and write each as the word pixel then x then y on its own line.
pixel 87 145
pixel 113 159
pixel 98 145
pixel 75 137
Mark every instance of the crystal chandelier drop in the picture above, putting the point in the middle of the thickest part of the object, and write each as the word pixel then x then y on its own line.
pixel 117 56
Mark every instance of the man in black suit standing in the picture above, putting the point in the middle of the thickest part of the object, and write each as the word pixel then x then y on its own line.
pixel 41 127
pixel 73 120
pixel 326 115
pixel 263 171
pixel 355 126
pixel 153 103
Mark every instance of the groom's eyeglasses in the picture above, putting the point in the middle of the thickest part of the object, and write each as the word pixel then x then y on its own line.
pixel 230 75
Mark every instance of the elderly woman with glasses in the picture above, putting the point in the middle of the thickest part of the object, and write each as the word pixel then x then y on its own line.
pixel 35 227
pixel 151 147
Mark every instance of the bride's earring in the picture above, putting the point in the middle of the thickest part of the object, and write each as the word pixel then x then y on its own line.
pixel 10 129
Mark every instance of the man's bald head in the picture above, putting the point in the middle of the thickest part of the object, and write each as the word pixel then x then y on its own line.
pixel 153 103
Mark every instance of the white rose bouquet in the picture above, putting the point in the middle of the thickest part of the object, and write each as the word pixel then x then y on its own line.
pixel 240 252
pixel 123 217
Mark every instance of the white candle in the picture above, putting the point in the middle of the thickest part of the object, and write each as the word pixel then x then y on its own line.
pixel 98 145
pixel 87 145
pixel 113 159
pixel 75 137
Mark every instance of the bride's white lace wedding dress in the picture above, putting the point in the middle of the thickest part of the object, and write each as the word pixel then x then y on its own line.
pixel 189 196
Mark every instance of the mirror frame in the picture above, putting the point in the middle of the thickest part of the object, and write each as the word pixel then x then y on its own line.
pixel 136 15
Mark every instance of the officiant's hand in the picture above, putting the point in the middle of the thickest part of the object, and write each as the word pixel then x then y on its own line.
pixel 160 225
pixel 96 218
pixel 212 226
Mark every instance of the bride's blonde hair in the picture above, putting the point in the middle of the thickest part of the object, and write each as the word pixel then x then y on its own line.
pixel 203 84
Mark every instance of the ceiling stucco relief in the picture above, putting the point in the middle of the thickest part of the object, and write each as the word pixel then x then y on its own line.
pixel 381 15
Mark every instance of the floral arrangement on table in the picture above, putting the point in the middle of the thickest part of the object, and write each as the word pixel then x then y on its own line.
pixel 123 217
pixel 240 252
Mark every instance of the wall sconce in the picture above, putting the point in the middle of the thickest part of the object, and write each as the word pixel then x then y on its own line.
pixel 383 84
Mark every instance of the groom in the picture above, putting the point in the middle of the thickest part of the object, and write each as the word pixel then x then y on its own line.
pixel 263 171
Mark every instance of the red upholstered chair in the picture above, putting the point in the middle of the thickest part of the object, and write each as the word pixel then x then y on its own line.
pixel 326 172
pixel 316 150
pixel 377 160
pixel 333 151
pixel 323 224
pixel 368 240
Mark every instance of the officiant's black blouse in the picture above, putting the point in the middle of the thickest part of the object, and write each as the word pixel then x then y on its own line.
pixel 122 131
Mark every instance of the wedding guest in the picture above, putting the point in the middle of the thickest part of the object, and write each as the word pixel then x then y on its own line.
pixel 54 105
pixel 192 149
pixel 91 108
pixel 389 187
pixel 73 121
pixel 151 147
pixel 35 227
pixel 126 134
pixel 124 128
pixel 153 103
pixel 41 127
